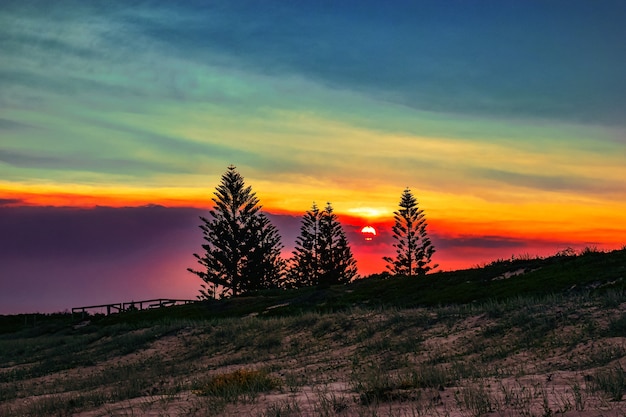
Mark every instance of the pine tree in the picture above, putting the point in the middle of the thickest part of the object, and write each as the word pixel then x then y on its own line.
pixel 322 255
pixel 336 261
pixel 242 247
pixel 305 262
pixel 413 246
pixel 265 267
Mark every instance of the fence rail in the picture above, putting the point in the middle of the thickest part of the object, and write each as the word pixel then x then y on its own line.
pixel 132 305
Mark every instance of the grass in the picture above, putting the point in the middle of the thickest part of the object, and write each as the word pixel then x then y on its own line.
pixel 241 384
pixel 475 398
pixel 395 356
pixel 428 346
pixel 590 271
pixel 611 381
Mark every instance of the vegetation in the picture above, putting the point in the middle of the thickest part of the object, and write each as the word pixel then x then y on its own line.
pixel 241 383
pixel 547 341
pixel 322 256
pixel 242 249
pixel 414 249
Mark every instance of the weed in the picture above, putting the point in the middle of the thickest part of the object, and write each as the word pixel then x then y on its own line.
pixel 604 354
pixel 579 397
pixel 294 381
pixel 429 376
pixel 376 385
pixel 373 383
pixel 323 327
pixel 304 321
pixel 475 398
pixel 282 409
pixel 330 404
pixel 611 381
pixel 545 404
pixel 617 327
pixel 268 341
pixel 243 384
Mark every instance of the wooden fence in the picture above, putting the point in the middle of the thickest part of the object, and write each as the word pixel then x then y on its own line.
pixel 131 306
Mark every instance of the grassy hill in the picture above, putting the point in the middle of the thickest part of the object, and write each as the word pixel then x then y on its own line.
pixel 593 271
pixel 525 336
pixel 500 280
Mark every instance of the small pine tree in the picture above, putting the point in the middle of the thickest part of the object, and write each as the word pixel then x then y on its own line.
pixel 322 255
pixel 242 247
pixel 413 246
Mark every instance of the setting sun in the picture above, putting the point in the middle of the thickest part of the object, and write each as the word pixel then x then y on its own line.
pixel 368 232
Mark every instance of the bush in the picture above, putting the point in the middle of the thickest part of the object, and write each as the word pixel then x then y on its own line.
pixel 611 381
pixel 234 385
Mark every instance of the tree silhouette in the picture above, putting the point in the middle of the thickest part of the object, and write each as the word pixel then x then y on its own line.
pixel 242 247
pixel 305 262
pixel 413 246
pixel 322 255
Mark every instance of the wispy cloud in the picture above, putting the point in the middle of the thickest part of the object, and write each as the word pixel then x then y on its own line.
pixel 537 60
pixel 554 182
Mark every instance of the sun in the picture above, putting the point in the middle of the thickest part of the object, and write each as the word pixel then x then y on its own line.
pixel 368 232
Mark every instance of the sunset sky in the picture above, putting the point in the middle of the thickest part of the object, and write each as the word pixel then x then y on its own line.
pixel 507 120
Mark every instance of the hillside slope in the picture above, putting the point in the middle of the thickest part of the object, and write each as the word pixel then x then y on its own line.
pixel 524 337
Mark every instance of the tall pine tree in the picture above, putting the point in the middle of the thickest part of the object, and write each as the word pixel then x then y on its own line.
pixel 413 246
pixel 322 255
pixel 242 247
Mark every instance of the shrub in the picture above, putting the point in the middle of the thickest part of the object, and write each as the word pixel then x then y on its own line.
pixel 611 381
pixel 476 399
pixel 232 386
pixel 617 327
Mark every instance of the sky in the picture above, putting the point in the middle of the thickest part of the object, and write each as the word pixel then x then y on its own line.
pixel 506 119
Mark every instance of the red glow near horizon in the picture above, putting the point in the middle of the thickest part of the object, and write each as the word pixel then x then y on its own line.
pixel 154 265
pixel 465 242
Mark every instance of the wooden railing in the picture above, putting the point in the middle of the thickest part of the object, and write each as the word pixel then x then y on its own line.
pixel 132 305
